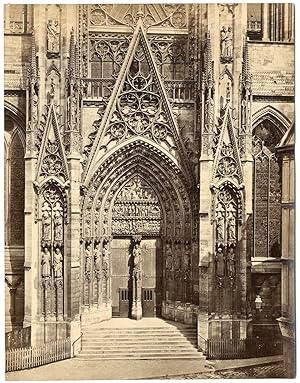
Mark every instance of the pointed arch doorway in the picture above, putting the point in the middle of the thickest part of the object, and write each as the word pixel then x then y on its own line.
pixel 136 251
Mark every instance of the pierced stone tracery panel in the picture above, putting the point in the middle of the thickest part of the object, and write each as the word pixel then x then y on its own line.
pixel 161 15
pixel 139 108
pixel 136 210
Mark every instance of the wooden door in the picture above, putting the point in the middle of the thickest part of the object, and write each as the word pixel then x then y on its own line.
pixel 125 302
pixel 148 302
pixel 120 275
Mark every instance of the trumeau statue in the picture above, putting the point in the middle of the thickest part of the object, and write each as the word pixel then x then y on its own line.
pixel 137 261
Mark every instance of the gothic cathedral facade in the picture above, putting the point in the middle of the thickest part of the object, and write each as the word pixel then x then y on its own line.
pixel 141 174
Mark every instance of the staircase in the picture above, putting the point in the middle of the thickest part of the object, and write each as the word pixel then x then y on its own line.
pixel 149 338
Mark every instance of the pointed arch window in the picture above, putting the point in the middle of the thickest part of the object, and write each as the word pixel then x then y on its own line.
pixel 266 192
pixel 14 185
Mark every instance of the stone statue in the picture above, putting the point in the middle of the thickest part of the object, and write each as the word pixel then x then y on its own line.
pixel 220 227
pixel 177 263
pixel 88 261
pixel 105 259
pixel 231 228
pixel 187 257
pixel 57 263
pixel 226 44
pixel 58 223
pixel 169 261
pixel 220 264
pixel 53 34
pixel 46 260
pixel 137 261
pixel 231 263
pixel 97 258
pixel 46 222
pixel 223 40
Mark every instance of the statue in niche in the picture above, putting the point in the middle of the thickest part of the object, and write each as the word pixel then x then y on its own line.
pixel 137 261
pixel 46 222
pixel 46 263
pixel 105 228
pixel 53 34
pixel 97 258
pixel 220 227
pixel 223 40
pixel 169 261
pixel 220 264
pixel 88 260
pixel 105 259
pixel 230 264
pixel 186 258
pixel 57 263
pixel 232 229
pixel 58 222
pixel 177 260
pixel 226 44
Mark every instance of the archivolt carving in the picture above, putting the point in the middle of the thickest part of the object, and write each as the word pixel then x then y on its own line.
pixel 112 170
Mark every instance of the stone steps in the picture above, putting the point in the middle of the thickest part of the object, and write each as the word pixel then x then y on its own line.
pixel 165 341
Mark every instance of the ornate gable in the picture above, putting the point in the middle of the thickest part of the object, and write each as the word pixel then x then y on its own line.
pixel 52 161
pixel 227 160
pixel 138 107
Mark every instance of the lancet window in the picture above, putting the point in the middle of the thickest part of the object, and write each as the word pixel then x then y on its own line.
pixel 266 192
pixel 14 185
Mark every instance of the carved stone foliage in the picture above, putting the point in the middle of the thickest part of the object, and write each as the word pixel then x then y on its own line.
pixel 226 42
pixel 136 210
pixel 52 249
pixel 161 15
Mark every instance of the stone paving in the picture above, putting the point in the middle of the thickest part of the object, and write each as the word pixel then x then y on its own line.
pixel 74 369
pixel 275 370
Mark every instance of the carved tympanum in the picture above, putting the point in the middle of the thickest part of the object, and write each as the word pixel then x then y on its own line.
pixel 136 209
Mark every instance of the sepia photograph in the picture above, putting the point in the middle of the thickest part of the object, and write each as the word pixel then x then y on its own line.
pixel 149 191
